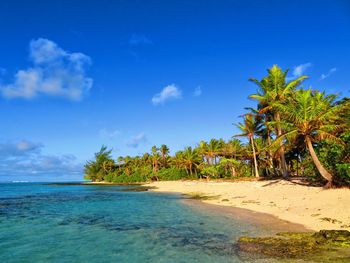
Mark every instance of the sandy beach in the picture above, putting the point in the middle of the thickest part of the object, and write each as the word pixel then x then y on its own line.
pixel 313 207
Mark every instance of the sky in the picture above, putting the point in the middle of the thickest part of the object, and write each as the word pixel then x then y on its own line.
pixel 75 75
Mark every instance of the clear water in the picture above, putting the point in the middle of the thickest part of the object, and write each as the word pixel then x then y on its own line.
pixel 49 223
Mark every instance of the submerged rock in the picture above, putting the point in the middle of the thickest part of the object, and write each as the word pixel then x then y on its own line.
pixel 137 189
pixel 322 246
pixel 201 196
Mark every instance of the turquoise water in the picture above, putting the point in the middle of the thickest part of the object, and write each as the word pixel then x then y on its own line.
pixel 60 223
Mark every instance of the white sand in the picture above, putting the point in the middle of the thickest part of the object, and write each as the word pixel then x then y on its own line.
pixel 313 207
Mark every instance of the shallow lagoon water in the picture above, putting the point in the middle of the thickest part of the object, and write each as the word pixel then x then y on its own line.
pixel 77 223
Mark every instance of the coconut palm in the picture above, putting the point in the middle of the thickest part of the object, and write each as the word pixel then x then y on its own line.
pixel 177 160
pixel 274 88
pixel 155 158
pixel 190 159
pixel 94 170
pixel 108 165
pixel 203 151
pixel 312 116
pixel 249 127
pixel 164 151
pixel 231 148
pixel 212 150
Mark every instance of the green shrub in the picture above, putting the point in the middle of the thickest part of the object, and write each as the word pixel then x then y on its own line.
pixel 173 174
pixel 135 177
pixel 211 171
pixel 109 177
pixel 343 173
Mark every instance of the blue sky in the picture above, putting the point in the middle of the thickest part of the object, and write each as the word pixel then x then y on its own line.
pixel 131 74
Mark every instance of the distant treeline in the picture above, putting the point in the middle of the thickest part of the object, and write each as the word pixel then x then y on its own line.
pixel 292 131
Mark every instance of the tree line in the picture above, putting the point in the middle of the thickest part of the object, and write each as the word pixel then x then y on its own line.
pixel 292 131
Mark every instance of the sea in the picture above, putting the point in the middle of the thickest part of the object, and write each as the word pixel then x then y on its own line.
pixel 72 222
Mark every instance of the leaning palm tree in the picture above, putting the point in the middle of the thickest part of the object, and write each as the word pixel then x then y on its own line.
pixel 274 88
pixel 249 127
pixel 312 116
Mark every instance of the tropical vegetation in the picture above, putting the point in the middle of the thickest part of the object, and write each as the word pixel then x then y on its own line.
pixel 292 131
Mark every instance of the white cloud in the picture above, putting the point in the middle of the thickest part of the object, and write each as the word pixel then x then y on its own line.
pixel 197 91
pixel 330 72
pixel 19 148
pixel 167 93
pixel 108 134
pixel 54 72
pixel 300 69
pixel 135 141
pixel 136 39
pixel 19 159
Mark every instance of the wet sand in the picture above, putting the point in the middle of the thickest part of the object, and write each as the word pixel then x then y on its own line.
pixel 314 208
pixel 271 224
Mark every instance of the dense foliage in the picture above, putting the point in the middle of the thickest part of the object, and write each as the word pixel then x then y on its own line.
pixel 291 132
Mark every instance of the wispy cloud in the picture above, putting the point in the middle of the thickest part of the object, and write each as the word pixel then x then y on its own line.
pixel 25 158
pixel 167 93
pixel 108 134
pixel 136 40
pixel 330 72
pixel 54 72
pixel 136 140
pixel 197 91
pixel 19 148
pixel 300 69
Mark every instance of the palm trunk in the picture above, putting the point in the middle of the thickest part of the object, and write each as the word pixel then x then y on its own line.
pixel 324 173
pixel 281 151
pixel 186 171
pixel 269 151
pixel 254 157
pixel 298 164
pixel 233 171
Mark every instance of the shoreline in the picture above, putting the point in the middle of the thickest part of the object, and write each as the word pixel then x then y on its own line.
pixel 281 203
pixel 269 223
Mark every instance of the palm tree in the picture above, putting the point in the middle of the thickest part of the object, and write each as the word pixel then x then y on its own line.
pixel 229 164
pixel 177 160
pixel 311 116
pixel 231 148
pixel 203 151
pixel 212 150
pixel 164 151
pixel 249 127
pixel 155 159
pixel 275 89
pixel 190 159
pixel 94 170
pixel 108 165
pixel 263 156
pixel 154 149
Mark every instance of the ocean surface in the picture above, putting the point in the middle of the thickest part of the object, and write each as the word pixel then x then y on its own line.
pixel 75 223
